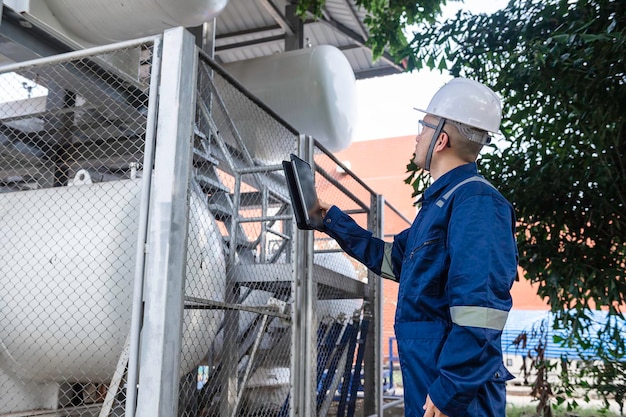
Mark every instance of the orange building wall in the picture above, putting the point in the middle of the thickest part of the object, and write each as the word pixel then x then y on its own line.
pixel 381 164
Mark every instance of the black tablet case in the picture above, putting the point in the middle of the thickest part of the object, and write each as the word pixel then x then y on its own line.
pixel 301 185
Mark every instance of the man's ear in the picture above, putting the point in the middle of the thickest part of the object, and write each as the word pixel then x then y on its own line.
pixel 442 141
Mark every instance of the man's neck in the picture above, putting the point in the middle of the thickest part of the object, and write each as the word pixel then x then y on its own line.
pixel 444 166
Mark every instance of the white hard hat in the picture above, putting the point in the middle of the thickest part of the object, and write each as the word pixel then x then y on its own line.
pixel 468 102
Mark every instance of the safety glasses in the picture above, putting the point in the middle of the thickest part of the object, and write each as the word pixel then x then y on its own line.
pixel 423 124
pixel 437 128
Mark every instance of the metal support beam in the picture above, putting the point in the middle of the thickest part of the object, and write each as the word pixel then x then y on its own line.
pixel 205 36
pixel 252 42
pixel 22 41
pixel 167 230
pixel 279 18
pixel 295 39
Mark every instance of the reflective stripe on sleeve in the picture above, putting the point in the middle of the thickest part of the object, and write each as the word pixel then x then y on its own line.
pixel 386 270
pixel 487 318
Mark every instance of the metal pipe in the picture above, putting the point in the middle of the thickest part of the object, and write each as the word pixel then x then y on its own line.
pixel 345 168
pixel 356 375
pixel 260 169
pixel 231 80
pixel 202 304
pixel 264 218
pixel 341 187
pixel 276 233
pixel 390 405
pixel 393 403
pixel 114 385
pixel 347 372
pixel 50 113
pixel 339 250
pixel 355 211
pixel 395 210
pixel 264 208
pixel 83 53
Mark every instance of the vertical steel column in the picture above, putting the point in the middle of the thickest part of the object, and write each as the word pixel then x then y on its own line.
pixel 373 369
pixel 142 232
pixel 159 372
pixel 304 357
pixel 205 36
pixel 295 39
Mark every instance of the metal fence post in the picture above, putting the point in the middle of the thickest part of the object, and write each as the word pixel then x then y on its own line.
pixel 373 369
pixel 138 285
pixel 304 329
pixel 167 231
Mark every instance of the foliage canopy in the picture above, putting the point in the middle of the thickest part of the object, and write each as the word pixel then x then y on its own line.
pixel 560 68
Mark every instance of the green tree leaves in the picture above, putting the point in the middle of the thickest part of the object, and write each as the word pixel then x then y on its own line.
pixel 386 21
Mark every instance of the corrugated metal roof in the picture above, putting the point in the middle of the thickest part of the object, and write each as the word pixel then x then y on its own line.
pixel 245 29
pixel 254 28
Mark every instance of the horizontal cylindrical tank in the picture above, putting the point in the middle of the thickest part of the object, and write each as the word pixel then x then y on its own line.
pixel 340 309
pixel 313 89
pixel 102 22
pixel 67 265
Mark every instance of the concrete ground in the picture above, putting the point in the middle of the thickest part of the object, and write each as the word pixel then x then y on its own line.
pixel 520 396
pixel 516 395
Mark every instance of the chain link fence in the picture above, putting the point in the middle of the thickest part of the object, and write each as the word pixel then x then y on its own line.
pixel 70 188
pixel 272 321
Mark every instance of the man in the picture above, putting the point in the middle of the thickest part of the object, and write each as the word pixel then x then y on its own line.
pixel 455 264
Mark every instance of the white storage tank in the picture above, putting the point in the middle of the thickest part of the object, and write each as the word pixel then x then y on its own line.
pixel 67 271
pixel 340 309
pixel 102 22
pixel 313 89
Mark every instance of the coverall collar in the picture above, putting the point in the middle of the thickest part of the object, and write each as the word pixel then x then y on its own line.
pixel 451 177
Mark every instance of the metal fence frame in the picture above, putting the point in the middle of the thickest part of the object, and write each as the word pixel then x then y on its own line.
pixel 148 366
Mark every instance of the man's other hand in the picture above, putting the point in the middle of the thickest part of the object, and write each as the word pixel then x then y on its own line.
pixel 430 410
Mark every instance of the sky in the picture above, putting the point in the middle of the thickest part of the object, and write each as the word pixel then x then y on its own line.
pixel 385 104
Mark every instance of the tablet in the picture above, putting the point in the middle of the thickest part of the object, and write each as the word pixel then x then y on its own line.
pixel 301 186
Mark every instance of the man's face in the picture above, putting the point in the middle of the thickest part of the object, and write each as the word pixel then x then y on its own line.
pixel 423 139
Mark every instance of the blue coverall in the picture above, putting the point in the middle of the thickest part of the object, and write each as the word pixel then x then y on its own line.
pixel 456 265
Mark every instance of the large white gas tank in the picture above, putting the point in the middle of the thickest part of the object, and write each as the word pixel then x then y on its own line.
pixel 67 265
pixel 101 22
pixel 340 309
pixel 313 89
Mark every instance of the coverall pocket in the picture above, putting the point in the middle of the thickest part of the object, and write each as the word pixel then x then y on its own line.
pixel 424 267
pixel 419 346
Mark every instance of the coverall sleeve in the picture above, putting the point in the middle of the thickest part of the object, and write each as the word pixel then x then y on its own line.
pixel 362 245
pixel 483 265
